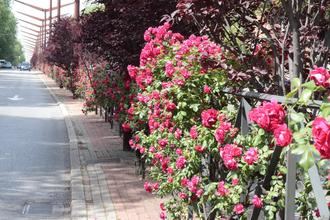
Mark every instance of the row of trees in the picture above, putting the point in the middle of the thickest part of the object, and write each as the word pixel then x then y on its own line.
pixel 164 84
pixel 10 48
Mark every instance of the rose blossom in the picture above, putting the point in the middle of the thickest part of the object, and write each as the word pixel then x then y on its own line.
pixel 180 162
pixel 222 189
pixel 228 154
pixel 321 136
pixel 162 215
pixel 238 208
pixel 169 69
pixel 320 76
pixel 257 201
pixel 268 116
pixel 193 132
pixel 207 89
pixel 126 127
pixel 178 151
pixel 283 135
pixel 209 117
pixel 183 195
pixel 148 187
pixel 220 133
pixel 251 156
pixel 199 148
pixel 177 133
pixel 234 181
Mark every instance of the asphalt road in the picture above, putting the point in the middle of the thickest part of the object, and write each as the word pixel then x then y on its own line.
pixel 34 151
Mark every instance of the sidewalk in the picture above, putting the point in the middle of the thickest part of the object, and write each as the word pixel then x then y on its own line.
pixel 111 189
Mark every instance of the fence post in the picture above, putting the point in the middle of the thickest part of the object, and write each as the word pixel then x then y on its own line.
pixel 319 193
pixel 290 186
pixel 242 120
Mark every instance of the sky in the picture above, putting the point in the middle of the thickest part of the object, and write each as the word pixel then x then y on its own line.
pixel 23 27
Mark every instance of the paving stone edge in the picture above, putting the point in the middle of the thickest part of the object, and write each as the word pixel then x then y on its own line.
pixel 78 203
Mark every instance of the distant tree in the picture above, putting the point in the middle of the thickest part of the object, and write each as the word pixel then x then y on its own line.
pixel 10 48
pixel 60 49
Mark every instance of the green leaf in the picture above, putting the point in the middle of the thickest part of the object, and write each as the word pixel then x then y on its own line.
pixel 292 93
pixel 325 109
pixel 299 150
pixel 297 117
pixel 305 96
pixel 195 107
pixel 295 83
pixel 309 85
pixel 307 160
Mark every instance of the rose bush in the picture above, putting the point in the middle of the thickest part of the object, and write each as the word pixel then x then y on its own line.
pixel 184 129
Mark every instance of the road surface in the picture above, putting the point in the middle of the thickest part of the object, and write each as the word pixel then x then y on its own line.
pixel 34 151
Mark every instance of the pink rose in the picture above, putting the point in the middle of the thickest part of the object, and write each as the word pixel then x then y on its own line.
pixel 320 76
pixel 257 201
pixel 178 151
pixel 282 135
pixel 180 162
pixel 221 132
pixel 268 116
pixel 251 156
pixel 321 136
pixel 162 142
pixel 148 187
pixel 126 127
pixel 199 148
pixel 222 189
pixel 193 132
pixel 162 216
pixel 234 181
pixel 177 134
pixel 170 106
pixel 184 182
pixel 238 209
pixel 199 193
pixel 207 89
pixel 183 195
pixel 169 69
pixel 228 154
pixel 132 71
pixel 209 117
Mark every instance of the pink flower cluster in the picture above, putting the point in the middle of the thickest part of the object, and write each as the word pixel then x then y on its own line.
pixel 209 117
pixel 180 162
pixel 229 153
pixel 193 185
pixel 321 136
pixel 222 190
pixel 251 156
pixel 150 187
pixel 270 116
pixel 222 131
pixel 320 76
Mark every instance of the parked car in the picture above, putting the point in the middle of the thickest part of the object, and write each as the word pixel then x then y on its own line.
pixel 2 63
pixel 7 65
pixel 25 66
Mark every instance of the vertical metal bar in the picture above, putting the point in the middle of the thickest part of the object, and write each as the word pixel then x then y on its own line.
pixel 290 186
pixel 45 28
pixel 319 193
pixel 242 120
pixel 50 16
pixel 58 10
pixel 41 34
pixel 266 183
pixel 76 9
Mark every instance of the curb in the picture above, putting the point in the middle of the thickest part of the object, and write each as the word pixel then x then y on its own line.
pixel 78 203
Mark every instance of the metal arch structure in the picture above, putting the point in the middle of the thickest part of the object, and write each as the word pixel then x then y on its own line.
pixel 39 37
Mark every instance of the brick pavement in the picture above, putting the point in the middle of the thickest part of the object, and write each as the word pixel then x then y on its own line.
pixel 130 200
